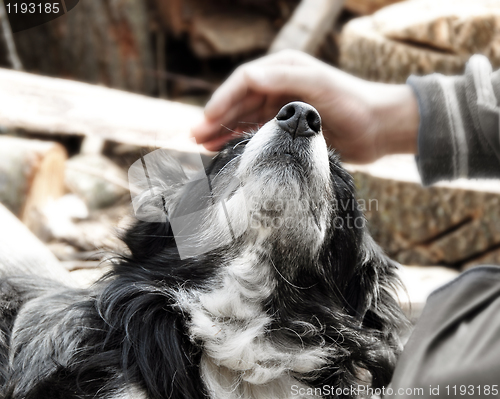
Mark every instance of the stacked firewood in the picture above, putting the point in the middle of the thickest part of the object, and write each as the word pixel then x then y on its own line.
pixel 148 47
pixel 140 46
pixel 454 224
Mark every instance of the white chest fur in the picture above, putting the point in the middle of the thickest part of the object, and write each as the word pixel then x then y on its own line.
pixel 239 359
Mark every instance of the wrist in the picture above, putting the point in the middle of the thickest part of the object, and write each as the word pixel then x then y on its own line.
pixel 396 117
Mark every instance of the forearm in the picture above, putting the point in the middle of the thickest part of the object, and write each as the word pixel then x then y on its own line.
pixel 459 124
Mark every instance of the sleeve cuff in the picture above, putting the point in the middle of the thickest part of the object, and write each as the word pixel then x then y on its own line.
pixel 435 145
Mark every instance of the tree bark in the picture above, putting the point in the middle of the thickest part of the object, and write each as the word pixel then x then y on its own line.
pixel 105 41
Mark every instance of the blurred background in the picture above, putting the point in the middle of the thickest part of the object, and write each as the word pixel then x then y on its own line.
pixel 65 147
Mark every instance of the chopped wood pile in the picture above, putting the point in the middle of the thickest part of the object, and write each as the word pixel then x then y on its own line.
pixel 186 47
pixel 178 47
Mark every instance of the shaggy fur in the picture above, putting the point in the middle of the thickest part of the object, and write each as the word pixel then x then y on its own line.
pixel 294 298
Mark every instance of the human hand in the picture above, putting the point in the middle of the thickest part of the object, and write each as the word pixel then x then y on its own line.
pixel 362 120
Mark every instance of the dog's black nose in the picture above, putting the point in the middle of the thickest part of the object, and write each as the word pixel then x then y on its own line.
pixel 299 119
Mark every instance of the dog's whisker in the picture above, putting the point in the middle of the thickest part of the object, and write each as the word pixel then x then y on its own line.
pixel 236 132
pixel 241 142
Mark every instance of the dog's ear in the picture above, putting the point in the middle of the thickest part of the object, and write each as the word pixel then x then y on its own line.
pixel 373 289
pixel 367 275
pixel 373 294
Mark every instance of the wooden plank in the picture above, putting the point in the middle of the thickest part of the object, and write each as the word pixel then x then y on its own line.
pixel 50 105
pixel 308 26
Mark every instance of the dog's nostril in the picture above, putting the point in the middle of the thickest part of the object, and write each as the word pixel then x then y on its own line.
pixel 299 119
pixel 313 120
pixel 286 113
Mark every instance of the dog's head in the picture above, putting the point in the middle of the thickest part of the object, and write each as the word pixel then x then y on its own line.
pixel 277 209
pixel 287 185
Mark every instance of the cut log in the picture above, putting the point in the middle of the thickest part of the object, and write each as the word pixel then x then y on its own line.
pixel 104 42
pixel 368 54
pixel 308 26
pixel 366 7
pixel 31 176
pixel 49 105
pixel 455 26
pixel 446 224
pixel 420 37
pixel 22 253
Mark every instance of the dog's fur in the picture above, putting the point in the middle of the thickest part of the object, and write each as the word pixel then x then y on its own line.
pixel 309 303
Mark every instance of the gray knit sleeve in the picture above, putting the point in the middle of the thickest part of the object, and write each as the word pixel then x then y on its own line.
pixel 459 133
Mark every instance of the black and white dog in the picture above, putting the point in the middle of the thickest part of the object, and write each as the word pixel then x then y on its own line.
pixel 298 303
